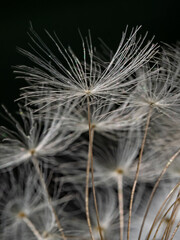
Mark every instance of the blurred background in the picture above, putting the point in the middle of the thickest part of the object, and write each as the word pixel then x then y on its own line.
pixel 105 19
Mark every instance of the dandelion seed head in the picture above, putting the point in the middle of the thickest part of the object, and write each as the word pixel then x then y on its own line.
pixel 78 79
pixel 38 135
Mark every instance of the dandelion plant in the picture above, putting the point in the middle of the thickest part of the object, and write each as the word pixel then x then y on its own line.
pixel 93 152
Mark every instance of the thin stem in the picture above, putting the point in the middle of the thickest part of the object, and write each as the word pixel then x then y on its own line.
pixel 38 170
pixel 175 230
pixel 159 214
pixel 90 161
pixel 87 195
pixel 31 226
pixel 173 216
pixel 93 186
pixel 162 220
pixel 121 207
pixel 155 188
pixel 137 171
pixel 87 173
pixel 169 225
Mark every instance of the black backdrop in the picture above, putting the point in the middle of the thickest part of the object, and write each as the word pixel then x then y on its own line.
pixel 105 19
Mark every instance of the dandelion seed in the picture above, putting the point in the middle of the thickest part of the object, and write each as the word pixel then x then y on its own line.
pixel 38 136
pixel 79 80
pixel 158 90
pixel 24 210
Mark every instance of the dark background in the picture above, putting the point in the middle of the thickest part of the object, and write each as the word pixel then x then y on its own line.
pixel 106 20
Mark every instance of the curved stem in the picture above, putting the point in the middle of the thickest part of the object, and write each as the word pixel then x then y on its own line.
pixel 175 230
pixel 121 208
pixel 39 172
pixel 137 171
pixel 158 215
pixel 173 216
pixel 162 220
pixel 155 188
